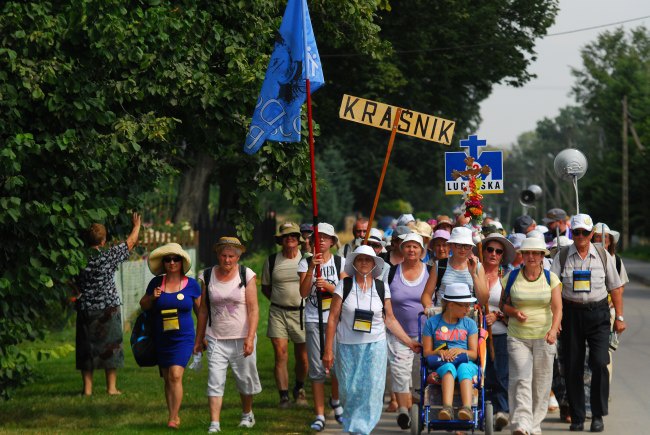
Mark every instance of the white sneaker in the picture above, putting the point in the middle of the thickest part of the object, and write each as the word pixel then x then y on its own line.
pixel 552 404
pixel 247 420
pixel 214 427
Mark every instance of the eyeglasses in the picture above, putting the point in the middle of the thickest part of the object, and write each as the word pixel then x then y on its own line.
pixel 175 259
pixel 465 305
pixel 459 246
pixel 492 249
pixel 581 232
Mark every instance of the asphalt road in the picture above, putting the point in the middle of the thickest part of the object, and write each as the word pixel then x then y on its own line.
pixel 629 411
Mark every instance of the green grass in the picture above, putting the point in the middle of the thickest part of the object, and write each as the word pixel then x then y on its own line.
pixel 52 404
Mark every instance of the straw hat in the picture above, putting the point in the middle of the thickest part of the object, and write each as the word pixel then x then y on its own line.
pixel 509 249
pixel 286 229
pixel 155 260
pixel 225 242
pixel 364 250
pixel 424 229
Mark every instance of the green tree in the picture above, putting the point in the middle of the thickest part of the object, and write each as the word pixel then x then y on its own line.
pixel 444 58
pixel 615 65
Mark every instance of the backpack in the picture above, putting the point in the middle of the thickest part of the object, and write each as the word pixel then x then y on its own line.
pixel 207 273
pixel 337 263
pixel 142 341
pixel 564 253
pixel 513 276
pixel 379 285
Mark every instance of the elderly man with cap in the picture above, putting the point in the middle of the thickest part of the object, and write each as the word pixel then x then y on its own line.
pixel 359 232
pixel 556 222
pixel 588 275
pixel 281 285
pixel 524 224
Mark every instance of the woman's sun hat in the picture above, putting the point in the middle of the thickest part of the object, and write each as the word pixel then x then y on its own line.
pixel 441 234
pixel 509 250
pixel 228 242
pixel 461 236
pixel 423 229
pixel 328 230
pixel 458 292
pixel 364 250
pixel 156 256
pixel 533 244
pixel 288 228
pixel 412 237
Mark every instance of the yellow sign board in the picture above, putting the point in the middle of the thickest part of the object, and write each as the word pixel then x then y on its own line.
pixel 380 115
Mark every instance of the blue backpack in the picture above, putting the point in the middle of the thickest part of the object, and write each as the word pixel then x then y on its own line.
pixel 142 341
pixel 513 276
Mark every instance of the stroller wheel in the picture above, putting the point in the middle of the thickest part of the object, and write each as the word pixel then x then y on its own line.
pixel 488 418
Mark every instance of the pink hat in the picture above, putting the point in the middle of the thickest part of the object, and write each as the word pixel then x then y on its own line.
pixel 441 234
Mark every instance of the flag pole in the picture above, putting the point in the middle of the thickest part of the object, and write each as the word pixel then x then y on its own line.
pixel 393 133
pixel 312 163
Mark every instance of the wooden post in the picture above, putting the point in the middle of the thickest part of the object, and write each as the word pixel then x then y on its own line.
pixel 393 133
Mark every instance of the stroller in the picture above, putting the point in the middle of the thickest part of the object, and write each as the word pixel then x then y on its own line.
pixel 424 415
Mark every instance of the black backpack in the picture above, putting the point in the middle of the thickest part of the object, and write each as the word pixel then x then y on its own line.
pixel 379 285
pixel 142 341
pixel 207 273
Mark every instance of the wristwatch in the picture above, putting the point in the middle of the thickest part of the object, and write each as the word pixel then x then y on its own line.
pixel 620 318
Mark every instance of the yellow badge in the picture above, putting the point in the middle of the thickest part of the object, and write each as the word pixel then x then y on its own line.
pixel 444 329
pixel 180 296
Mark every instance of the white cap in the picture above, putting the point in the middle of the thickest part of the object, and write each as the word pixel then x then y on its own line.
pixel 583 221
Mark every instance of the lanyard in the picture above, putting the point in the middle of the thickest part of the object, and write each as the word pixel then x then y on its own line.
pixel 357 293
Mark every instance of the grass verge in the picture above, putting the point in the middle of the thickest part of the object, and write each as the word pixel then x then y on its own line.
pixel 53 404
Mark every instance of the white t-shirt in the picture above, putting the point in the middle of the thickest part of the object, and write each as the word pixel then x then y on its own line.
pixel 368 300
pixel 498 327
pixel 328 271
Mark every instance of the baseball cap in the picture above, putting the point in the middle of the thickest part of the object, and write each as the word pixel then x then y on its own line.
pixel 583 221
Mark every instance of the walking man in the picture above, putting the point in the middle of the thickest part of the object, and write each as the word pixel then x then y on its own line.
pixel 588 275
pixel 359 231
pixel 281 285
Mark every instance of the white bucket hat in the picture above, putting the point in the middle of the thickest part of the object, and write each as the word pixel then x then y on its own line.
pixel 461 236
pixel 327 229
pixel 376 236
pixel 533 244
pixel 458 292
pixel 364 250
pixel 413 237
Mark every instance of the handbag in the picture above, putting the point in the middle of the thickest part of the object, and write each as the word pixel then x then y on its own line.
pixel 142 340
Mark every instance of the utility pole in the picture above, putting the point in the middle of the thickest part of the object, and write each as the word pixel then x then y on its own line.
pixel 625 181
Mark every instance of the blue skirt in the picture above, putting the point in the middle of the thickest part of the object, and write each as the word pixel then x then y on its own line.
pixel 361 371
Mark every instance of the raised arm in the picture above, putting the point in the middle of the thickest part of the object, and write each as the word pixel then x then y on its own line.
pixel 132 240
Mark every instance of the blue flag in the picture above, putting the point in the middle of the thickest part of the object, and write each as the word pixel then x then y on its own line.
pixel 294 59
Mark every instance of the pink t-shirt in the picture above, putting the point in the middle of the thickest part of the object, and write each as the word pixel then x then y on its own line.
pixel 228 306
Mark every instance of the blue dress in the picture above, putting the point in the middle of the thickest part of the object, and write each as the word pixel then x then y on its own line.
pixel 174 326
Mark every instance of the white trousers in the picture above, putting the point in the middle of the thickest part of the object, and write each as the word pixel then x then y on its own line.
pixel 531 374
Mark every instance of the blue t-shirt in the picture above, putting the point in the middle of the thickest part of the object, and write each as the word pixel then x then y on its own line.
pixel 455 335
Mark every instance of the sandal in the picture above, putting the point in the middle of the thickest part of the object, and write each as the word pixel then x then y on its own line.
pixel 338 411
pixel 318 425
pixel 465 413
pixel 392 407
pixel 446 413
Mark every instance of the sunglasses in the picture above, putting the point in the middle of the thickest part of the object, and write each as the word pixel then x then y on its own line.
pixel 375 245
pixel 175 259
pixel 492 249
pixel 581 232
pixel 461 247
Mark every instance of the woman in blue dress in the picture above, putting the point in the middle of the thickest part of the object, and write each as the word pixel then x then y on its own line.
pixel 171 296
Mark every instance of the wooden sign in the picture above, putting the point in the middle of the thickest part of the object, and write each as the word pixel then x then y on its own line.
pixel 381 115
